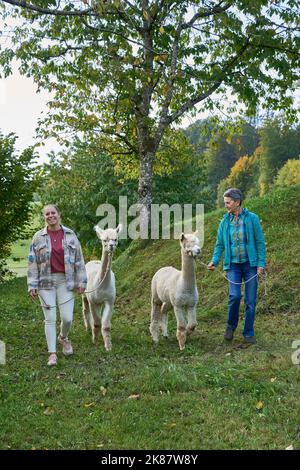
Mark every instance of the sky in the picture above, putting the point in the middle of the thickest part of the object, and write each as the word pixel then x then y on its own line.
pixel 20 108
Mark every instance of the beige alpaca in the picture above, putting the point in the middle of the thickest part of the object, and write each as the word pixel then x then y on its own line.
pixel 99 298
pixel 177 289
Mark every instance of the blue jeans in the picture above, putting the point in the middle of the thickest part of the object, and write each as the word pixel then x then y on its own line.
pixel 236 273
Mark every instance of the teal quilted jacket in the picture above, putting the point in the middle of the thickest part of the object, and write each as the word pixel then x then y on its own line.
pixel 256 246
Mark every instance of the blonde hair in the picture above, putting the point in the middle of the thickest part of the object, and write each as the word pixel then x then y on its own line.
pixel 51 205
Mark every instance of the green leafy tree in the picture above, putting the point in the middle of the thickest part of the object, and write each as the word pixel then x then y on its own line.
pixel 280 142
pixel 128 70
pixel 246 140
pixel 220 157
pixel 243 175
pixel 80 180
pixel 289 174
pixel 179 171
pixel 18 181
pixel 200 132
pixel 225 148
pixel 84 177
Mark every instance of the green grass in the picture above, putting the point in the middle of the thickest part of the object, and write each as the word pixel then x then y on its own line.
pixel 144 397
pixel 17 262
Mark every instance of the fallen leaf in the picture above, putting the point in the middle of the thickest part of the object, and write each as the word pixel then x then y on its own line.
pixel 173 425
pixel 100 445
pixel 103 390
pixel 49 411
pixel 135 397
pixel 228 354
pixel 291 447
pixel 273 379
pixel 259 405
pixel 88 405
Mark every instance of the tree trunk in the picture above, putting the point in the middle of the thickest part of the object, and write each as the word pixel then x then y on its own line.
pixel 145 192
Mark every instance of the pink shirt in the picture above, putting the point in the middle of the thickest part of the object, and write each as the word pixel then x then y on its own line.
pixel 57 251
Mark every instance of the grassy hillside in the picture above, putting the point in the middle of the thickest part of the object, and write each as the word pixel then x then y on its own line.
pixel 279 212
pixel 210 396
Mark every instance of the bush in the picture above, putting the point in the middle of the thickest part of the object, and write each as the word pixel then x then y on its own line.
pixel 18 181
pixel 289 174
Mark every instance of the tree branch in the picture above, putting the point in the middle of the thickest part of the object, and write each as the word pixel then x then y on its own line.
pixel 193 101
pixel 120 137
pixel 276 48
pixel 214 11
pixel 170 83
pixel 111 31
pixel 47 11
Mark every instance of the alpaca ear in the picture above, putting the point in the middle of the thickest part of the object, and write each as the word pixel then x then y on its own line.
pixel 119 228
pixel 99 231
pixel 182 237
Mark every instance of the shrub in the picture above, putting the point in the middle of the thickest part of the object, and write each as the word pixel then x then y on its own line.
pixel 289 174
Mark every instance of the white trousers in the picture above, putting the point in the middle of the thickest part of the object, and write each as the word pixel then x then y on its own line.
pixel 65 300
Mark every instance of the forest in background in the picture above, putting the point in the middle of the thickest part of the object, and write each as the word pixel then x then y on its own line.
pixel 194 165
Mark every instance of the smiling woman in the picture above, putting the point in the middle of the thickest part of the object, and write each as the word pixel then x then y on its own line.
pixel 56 268
pixel 241 238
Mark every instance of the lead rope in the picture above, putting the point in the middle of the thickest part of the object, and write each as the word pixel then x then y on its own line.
pixel 244 282
pixel 46 306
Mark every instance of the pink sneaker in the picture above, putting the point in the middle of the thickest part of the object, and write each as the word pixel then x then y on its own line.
pixel 52 361
pixel 67 346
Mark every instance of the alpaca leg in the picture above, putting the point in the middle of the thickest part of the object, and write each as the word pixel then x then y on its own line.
pixel 181 327
pixel 155 317
pixel 87 317
pixel 96 313
pixel 106 324
pixel 192 322
pixel 164 319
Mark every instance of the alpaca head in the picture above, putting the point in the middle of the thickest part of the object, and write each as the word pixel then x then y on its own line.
pixel 190 244
pixel 109 237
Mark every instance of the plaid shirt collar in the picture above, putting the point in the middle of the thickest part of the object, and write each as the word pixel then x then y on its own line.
pixel 241 214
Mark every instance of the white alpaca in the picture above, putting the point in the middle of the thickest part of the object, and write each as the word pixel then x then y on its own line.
pixel 99 298
pixel 177 289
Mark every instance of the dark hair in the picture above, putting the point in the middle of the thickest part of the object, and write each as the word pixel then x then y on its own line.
pixel 234 194
pixel 52 205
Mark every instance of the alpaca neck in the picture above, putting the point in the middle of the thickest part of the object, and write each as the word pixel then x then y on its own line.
pixel 188 269
pixel 106 260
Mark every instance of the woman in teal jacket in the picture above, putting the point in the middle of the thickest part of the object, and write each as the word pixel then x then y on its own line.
pixel 241 238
